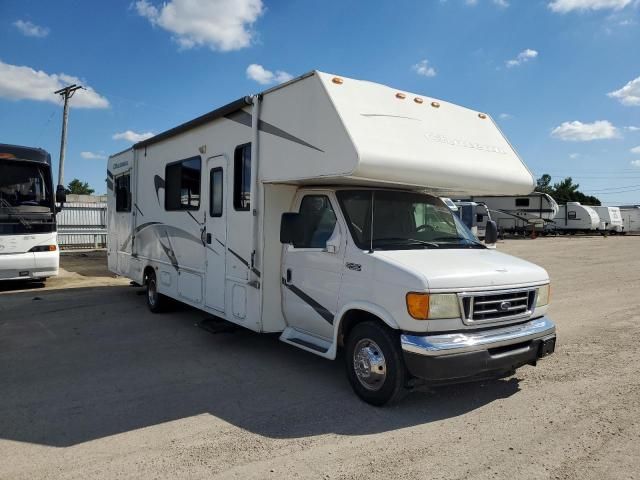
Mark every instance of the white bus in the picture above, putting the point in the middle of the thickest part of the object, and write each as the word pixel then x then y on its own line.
pixel 28 238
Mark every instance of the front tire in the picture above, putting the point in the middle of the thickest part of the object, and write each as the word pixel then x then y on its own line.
pixel 375 365
pixel 156 302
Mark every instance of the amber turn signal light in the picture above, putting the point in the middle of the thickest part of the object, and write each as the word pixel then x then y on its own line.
pixel 418 305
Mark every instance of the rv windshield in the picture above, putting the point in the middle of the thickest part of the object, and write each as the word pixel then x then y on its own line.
pixel 402 220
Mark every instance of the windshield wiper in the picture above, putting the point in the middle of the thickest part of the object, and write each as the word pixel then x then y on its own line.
pixel 470 242
pixel 12 211
pixel 407 240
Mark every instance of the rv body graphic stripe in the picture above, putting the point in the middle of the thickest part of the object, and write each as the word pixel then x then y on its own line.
pixel 109 184
pixel 244 118
pixel 244 262
pixel 319 309
pixel 109 174
pixel 158 183
pixel 138 208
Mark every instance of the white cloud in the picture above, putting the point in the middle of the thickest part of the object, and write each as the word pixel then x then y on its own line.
pixel 501 3
pixel 523 57
pixel 574 156
pixel 424 69
pixel 31 29
pixel 635 149
pixel 93 156
pixel 25 83
pixel 564 6
pixel 264 77
pixel 635 163
pixel 222 25
pixel 584 132
pixel 131 136
pixel 505 116
pixel 632 128
pixel 628 95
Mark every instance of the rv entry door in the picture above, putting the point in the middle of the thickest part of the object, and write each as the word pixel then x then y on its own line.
pixel 215 234
pixel 312 267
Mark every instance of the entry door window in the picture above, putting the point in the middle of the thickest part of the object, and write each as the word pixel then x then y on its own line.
pixel 215 192
pixel 317 222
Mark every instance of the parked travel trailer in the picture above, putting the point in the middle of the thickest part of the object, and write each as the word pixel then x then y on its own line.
pixel 610 219
pixel 470 212
pixel 630 218
pixel 574 217
pixel 519 214
pixel 312 210
pixel 28 238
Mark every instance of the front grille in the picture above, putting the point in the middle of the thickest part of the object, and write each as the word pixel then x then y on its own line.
pixel 484 307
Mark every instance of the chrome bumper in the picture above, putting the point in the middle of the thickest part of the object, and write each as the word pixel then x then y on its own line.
pixel 451 343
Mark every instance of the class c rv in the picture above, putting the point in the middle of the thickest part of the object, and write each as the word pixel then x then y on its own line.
pixel 312 210
pixel 574 217
pixel 28 238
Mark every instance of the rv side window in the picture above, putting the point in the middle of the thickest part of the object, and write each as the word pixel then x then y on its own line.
pixel 182 185
pixel 123 193
pixel 215 192
pixel 479 218
pixel 242 177
pixel 571 215
pixel 317 222
pixel 522 202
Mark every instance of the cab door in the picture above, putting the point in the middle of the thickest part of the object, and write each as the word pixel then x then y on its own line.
pixel 215 233
pixel 312 267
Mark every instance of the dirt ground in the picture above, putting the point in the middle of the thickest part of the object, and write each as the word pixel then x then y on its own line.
pixel 94 386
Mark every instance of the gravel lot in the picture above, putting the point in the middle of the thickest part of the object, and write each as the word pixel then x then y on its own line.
pixel 94 386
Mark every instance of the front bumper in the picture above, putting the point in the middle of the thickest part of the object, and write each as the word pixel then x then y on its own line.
pixel 28 266
pixel 462 356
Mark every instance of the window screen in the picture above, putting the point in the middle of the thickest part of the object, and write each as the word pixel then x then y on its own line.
pixel 123 193
pixel 182 185
pixel 215 192
pixel 317 222
pixel 522 202
pixel 242 177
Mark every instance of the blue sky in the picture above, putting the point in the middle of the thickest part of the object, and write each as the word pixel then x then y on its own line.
pixel 561 77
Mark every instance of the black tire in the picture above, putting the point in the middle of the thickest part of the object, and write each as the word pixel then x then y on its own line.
pixel 156 302
pixel 377 342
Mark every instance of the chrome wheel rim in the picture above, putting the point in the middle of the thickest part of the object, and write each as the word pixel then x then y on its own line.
pixel 369 364
pixel 151 292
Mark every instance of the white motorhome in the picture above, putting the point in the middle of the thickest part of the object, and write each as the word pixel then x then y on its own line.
pixel 610 219
pixel 28 238
pixel 630 218
pixel 574 217
pixel 519 214
pixel 312 210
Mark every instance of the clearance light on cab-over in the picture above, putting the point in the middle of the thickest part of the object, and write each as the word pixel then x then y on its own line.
pixel 423 306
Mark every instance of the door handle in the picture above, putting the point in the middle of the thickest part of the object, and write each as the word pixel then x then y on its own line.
pixel 208 239
pixel 288 275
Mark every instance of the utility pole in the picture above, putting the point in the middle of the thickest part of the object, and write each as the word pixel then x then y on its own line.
pixel 66 93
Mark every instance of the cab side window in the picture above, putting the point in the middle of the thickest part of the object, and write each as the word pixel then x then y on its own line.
pixel 318 220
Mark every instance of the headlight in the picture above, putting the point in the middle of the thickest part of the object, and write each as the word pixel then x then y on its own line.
pixel 44 248
pixel 423 306
pixel 544 295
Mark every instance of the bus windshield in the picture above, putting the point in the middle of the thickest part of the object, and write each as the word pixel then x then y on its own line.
pixel 402 221
pixel 24 185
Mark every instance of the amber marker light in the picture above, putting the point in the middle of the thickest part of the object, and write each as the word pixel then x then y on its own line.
pixel 401 96
pixel 337 80
pixel 418 100
pixel 482 116
pixel 418 305
pixel 435 104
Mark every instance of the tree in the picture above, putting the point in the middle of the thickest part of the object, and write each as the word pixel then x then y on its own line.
pixel 564 191
pixel 76 187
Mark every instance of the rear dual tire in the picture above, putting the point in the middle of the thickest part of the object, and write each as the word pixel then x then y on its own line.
pixel 374 362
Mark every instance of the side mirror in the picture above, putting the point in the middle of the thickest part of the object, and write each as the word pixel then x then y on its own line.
pixel 491 233
pixel 61 196
pixel 289 228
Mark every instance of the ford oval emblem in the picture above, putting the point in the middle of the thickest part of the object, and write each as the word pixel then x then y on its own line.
pixel 504 306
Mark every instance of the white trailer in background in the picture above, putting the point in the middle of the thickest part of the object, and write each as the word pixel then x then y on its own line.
pixel 312 210
pixel 574 217
pixel 630 218
pixel 518 214
pixel 610 219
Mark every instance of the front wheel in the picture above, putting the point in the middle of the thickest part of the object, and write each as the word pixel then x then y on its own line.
pixel 374 362
pixel 155 301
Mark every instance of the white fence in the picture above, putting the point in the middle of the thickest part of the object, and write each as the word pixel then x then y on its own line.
pixel 82 225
